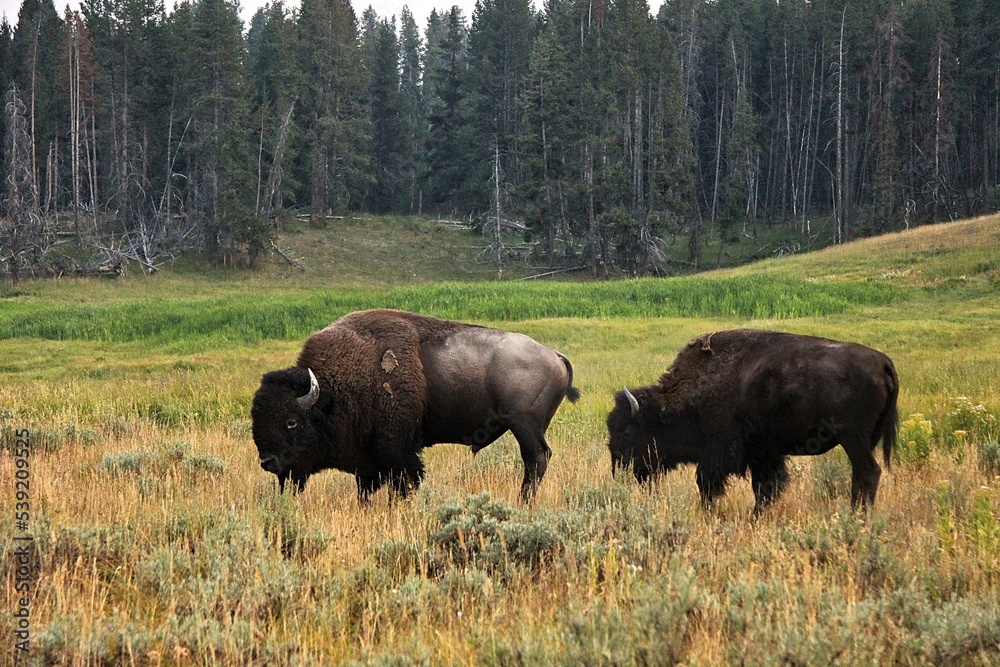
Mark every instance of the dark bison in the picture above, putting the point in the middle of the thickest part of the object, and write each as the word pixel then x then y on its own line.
pixel 743 400
pixel 374 388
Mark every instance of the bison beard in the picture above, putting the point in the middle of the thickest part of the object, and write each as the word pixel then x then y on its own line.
pixel 374 388
pixel 741 401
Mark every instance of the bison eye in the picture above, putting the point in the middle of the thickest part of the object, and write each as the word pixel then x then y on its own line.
pixel 292 423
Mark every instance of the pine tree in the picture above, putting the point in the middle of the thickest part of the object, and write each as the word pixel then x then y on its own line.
pixel 132 85
pixel 671 189
pixel 447 146
pixel 500 41
pixel 333 117
pixel 737 188
pixel 272 64
pixel 276 86
pixel 7 66
pixel 214 151
pixel 413 163
pixel 939 135
pixel 550 110
pixel 978 98
pixel 887 80
pixel 387 123
pixel 36 62
pixel 75 83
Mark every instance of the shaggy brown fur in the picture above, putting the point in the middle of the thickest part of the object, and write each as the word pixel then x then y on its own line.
pixel 391 383
pixel 742 400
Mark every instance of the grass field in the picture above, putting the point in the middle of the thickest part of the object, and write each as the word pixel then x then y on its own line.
pixel 159 540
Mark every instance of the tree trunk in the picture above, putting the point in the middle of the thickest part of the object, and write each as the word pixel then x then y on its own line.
pixel 588 166
pixel 839 213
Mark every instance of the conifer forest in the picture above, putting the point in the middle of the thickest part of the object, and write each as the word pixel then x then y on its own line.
pixel 596 129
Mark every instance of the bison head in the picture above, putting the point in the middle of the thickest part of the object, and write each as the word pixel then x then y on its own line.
pixel 286 412
pixel 650 435
pixel 631 442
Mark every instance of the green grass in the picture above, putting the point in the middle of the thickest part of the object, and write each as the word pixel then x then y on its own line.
pixel 250 318
pixel 160 541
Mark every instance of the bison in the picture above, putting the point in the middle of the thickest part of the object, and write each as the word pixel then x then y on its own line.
pixel 374 388
pixel 744 400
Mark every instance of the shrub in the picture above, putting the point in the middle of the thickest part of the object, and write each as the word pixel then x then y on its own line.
pixel 483 532
pixel 989 457
pixel 108 546
pixel 205 463
pixel 107 643
pixel 164 414
pixel 916 438
pixel 982 526
pixel 967 421
pixel 285 527
pixel 390 660
pixel 959 632
pixel 401 558
pixel 832 475
pixel 123 462
pixel 50 439
pixel 175 453
pixel 176 450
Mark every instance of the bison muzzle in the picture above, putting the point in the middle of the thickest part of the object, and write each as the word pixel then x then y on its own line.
pixel 743 400
pixel 374 388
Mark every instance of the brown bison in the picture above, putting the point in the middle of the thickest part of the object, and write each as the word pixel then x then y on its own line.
pixel 743 400
pixel 374 388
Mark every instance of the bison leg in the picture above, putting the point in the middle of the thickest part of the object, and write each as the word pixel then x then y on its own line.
pixel 642 475
pixel 536 454
pixel 400 487
pixel 768 479
pixel 367 485
pixel 402 470
pixel 711 484
pixel 403 481
pixel 865 473
pixel 298 480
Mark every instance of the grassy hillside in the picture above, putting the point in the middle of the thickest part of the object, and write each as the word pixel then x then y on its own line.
pixel 158 539
pixel 388 251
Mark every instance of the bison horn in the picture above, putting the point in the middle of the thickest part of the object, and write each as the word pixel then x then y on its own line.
pixel 306 402
pixel 631 401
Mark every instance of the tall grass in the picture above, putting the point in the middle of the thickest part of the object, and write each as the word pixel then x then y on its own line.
pixel 159 540
pixel 252 317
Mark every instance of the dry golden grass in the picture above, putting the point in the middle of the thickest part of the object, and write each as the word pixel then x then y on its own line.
pixel 159 540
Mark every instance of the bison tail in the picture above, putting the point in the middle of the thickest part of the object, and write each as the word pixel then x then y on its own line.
pixel 889 428
pixel 890 417
pixel 572 393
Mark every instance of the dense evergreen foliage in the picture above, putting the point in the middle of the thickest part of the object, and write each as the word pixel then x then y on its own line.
pixel 598 130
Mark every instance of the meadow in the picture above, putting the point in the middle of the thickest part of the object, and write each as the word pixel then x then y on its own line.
pixel 157 539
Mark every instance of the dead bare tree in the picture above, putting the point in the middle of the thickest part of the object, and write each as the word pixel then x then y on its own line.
pixel 271 199
pixel 75 117
pixel 19 240
pixel 841 234
pixel 495 221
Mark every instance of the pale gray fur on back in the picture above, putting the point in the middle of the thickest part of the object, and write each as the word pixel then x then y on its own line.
pixel 480 379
